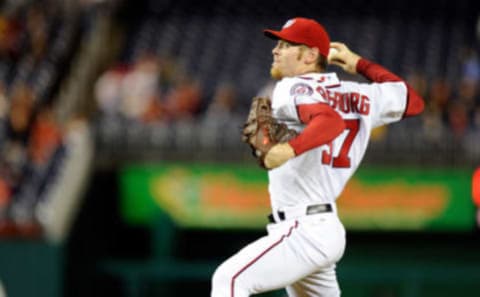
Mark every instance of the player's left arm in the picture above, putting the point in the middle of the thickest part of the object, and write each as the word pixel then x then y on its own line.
pixel 353 64
pixel 323 124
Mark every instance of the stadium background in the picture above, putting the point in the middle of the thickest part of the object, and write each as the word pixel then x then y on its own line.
pixel 122 172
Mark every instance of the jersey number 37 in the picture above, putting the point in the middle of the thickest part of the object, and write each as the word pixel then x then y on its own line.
pixel 342 160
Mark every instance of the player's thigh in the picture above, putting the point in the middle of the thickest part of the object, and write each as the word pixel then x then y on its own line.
pixel 269 263
pixel 322 283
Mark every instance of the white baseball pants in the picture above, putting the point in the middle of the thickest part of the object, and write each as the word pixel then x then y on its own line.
pixel 298 254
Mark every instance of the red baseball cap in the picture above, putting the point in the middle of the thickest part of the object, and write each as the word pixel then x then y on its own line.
pixel 303 31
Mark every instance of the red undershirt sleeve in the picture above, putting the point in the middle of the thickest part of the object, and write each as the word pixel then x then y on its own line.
pixel 323 125
pixel 376 73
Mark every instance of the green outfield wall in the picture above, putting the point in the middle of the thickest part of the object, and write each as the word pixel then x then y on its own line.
pixel 236 196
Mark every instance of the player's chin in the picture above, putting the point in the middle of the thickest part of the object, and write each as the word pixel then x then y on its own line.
pixel 275 73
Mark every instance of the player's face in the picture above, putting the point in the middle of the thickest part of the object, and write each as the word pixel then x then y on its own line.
pixel 286 59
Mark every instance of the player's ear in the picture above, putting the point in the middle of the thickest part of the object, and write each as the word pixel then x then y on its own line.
pixel 312 55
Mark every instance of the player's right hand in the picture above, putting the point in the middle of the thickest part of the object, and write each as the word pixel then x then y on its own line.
pixel 343 57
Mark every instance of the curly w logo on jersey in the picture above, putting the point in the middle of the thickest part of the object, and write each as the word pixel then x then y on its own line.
pixel 301 89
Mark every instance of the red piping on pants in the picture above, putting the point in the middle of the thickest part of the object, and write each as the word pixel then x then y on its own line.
pixel 232 284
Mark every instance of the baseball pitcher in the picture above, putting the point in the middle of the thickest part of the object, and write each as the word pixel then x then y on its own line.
pixel 311 136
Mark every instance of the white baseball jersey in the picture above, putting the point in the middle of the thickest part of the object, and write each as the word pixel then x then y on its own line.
pixel 320 174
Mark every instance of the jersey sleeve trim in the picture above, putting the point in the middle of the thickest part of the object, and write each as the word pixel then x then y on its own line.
pixel 332 86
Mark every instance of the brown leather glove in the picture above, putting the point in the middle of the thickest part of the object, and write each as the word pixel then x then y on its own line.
pixel 262 131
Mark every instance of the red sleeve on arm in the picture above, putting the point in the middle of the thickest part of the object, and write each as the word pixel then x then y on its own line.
pixel 323 125
pixel 377 73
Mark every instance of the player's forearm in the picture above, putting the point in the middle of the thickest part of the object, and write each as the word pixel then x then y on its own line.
pixel 377 73
pixel 323 125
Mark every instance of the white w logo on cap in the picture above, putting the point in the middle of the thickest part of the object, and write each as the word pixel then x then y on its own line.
pixel 288 23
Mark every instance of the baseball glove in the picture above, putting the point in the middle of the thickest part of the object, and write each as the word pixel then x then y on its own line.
pixel 262 131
